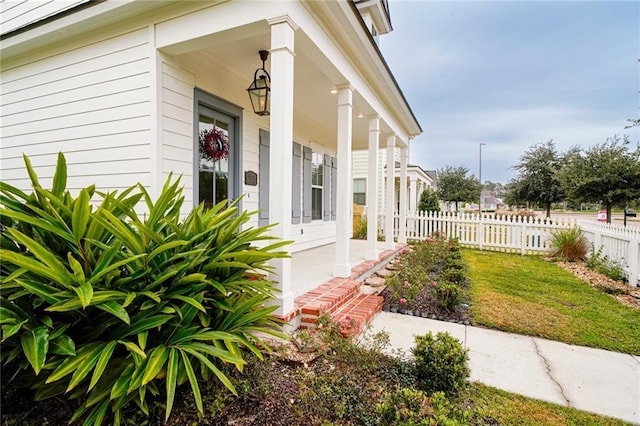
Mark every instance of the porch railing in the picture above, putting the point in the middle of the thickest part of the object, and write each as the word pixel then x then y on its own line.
pixel 521 234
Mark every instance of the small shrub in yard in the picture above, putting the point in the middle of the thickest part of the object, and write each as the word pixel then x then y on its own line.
pixel 110 310
pixel 569 244
pixel 448 294
pixel 453 275
pixel 441 363
pixel 602 264
pixel 409 407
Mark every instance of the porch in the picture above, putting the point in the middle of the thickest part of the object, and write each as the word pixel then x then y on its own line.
pixel 317 291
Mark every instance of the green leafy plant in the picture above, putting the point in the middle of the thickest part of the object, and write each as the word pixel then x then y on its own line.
pixel 448 294
pixel 441 363
pixel 410 407
pixel 454 275
pixel 360 232
pixel 610 268
pixel 107 308
pixel 569 244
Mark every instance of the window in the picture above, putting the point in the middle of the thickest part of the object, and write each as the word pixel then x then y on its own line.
pixel 360 191
pixel 317 165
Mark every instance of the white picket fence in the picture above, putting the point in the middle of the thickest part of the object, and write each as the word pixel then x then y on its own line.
pixel 619 244
pixel 521 234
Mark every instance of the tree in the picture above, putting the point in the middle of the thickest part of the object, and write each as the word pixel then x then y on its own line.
pixel 455 185
pixel 608 173
pixel 429 201
pixel 496 188
pixel 537 180
pixel 513 193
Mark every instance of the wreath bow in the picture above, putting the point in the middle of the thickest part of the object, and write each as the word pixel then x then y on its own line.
pixel 214 144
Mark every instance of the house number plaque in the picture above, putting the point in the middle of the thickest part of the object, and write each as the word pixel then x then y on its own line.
pixel 250 178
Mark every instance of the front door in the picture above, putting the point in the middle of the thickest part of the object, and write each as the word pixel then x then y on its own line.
pixel 216 137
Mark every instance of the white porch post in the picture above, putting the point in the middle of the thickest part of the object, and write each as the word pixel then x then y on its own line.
pixel 390 193
pixel 344 219
pixel 413 195
pixel 280 167
pixel 402 232
pixel 372 189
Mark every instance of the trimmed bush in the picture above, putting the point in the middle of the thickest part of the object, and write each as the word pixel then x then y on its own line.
pixel 448 294
pixel 108 308
pixel 409 407
pixel 569 244
pixel 441 363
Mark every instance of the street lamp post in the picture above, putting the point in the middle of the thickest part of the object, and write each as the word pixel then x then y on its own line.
pixel 480 176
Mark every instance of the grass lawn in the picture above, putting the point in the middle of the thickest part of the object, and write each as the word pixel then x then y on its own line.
pixel 511 409
pixel 529 295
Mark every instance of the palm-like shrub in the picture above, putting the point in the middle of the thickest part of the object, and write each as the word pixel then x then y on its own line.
pixel 109 308
pixel 569 244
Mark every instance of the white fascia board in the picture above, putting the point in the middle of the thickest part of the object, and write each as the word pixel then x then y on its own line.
pixel 370 79
pixel 48 32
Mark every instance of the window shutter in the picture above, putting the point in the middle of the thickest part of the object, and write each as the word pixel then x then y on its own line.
pixel 263 189
pixel 296 183
pixel 306 182
pixel 334 187
pixel 326 188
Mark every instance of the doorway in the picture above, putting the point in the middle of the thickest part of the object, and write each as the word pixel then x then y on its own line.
pixel 217 150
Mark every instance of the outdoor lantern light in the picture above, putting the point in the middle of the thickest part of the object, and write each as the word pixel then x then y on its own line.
pixel 259 88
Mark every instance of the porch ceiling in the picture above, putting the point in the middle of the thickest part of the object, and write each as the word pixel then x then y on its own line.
pixel 232 56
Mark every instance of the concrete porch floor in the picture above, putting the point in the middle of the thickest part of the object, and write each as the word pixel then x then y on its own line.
pixel 313 267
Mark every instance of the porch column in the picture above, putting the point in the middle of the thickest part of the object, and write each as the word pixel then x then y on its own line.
pixel 344 198
pixel 390 193
pixel 413 195
pixel 402 232
pixel 372 189
pixel 280 167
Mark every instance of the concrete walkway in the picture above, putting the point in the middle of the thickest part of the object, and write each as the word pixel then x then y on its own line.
pixel 594 380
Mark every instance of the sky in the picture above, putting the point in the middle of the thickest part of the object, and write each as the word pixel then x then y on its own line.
pixel 512 74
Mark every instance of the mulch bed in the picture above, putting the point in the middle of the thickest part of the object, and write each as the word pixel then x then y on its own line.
pixel 622 292
pixel 426 306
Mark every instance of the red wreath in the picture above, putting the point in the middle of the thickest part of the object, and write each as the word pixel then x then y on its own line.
pixel 214 144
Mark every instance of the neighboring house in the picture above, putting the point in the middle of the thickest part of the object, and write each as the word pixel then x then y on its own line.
pixel 417 180
pixel 125 87
pixel 489 202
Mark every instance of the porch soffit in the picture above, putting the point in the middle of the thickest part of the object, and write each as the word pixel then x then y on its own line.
pixel 234 37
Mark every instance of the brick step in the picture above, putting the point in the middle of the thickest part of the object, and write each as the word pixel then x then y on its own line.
pixel 327 298
pixel 359 311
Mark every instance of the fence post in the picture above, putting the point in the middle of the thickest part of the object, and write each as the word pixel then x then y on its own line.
pixel 480 232
pixel 633 262
pixel 523 237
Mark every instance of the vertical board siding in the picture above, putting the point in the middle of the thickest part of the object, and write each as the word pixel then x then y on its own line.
pixel 92 103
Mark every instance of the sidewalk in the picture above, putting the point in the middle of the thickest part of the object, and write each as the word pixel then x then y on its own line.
pixel 594 380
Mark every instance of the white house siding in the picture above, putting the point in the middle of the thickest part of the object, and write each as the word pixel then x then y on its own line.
pixel 360 170
pixel 90 101
pixel 16 14
pixel 177 126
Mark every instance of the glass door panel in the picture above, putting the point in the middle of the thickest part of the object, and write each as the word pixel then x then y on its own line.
pixel 215 151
